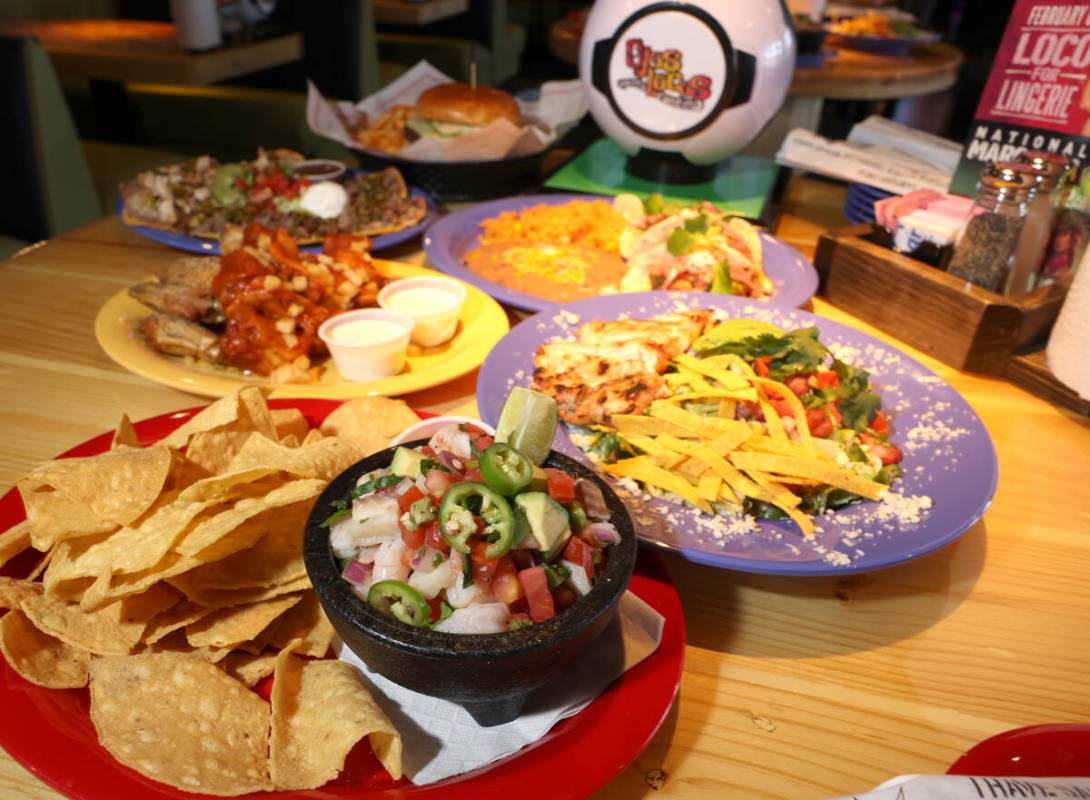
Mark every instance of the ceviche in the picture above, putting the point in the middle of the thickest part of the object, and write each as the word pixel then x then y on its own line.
pixel 469 535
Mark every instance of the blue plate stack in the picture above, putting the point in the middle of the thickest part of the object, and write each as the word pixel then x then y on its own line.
pixel 859 207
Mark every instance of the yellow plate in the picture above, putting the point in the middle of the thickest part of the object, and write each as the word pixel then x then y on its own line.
pixel 483 323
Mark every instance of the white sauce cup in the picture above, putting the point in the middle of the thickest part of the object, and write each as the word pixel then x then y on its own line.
pixel 426 428
pixel 366 358
pixel 434 303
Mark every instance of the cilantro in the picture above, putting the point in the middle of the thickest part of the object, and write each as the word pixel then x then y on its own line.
pixel 790 354
pixel 556 575
pixel 428 464
pixel 336 516
pixel 515 624
pixel 435 562
pixel 859 409
pixel 851 379
pixel 698 224
pixel 680 242
pixel 384 482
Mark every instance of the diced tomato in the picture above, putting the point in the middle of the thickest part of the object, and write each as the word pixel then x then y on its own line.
pixel 505 581
pixel 579 552
pixel 427 451
pixel 561 486
pixel 540 600
pixel 886 453
pixel 435 604
pixel 826 380
pixel 880 424
pixel 760 366
pixel 433 538
pixel 437 482
pixel 563 597
pixel 820 421
pixel 413 537
pixel 782 405
pixel 798 384
pixel 484 568
pixel 406 500
pixel 474 475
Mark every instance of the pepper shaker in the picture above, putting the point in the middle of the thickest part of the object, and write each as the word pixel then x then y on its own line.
pixel 985 250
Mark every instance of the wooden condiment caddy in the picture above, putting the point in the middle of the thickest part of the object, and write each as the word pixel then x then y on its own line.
pixel 959 324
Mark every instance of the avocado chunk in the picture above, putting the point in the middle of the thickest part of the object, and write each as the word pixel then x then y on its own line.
pixel 540 481
pixel 406 463
pixel 547 518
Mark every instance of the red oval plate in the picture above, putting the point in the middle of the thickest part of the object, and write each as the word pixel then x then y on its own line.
pixel 1057 750
pixel 50 733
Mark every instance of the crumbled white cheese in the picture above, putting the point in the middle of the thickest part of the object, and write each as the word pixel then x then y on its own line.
pixel 902 509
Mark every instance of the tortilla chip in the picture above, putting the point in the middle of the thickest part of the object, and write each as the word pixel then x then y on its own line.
pixel 14 541
pixel 14 591
pixel 290 441
pixel 325 459
pixel 303 694
pixel 114 630
pixel 72 496
pixel 305 628
pixel 315 435
pixel 230 626
pixel 124 434
pixel 39 657
pixel 370 422
pixel 233 597
pixel 212 451
pixel 249 669
pixel 175 618
pixel 275 559
pixel 181 721
pixel 206 535
pixel 219 414
pixel 289 422
pixel 175 643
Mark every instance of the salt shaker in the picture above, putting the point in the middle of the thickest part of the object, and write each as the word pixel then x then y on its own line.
pixel 986 247
pixel 1048 169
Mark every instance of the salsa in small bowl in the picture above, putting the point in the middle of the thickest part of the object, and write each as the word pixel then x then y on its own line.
pixel 457 568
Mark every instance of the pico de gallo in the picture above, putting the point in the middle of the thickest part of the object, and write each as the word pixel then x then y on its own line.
pixel 467 535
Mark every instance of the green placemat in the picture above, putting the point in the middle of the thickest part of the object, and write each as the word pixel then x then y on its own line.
pixel 742 186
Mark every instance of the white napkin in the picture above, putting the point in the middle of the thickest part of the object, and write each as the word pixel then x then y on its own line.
pixel 961 787
pixel 441 739
pixel 1067 346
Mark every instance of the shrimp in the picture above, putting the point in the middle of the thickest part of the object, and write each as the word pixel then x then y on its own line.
pixel 429 580
pixel 452 440
pixel 478 618
pixel 391 562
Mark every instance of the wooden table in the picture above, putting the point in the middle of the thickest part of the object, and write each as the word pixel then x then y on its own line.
pixel 424 12
pixel 857 75
pixel 132 50
pixel 793 688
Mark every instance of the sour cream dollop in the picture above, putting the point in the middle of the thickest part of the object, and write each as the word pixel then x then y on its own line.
pixel 326 199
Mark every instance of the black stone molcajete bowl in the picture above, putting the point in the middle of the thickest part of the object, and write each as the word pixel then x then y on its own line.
pixel 490 675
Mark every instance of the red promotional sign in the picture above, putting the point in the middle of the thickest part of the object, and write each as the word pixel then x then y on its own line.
pixel 1038 93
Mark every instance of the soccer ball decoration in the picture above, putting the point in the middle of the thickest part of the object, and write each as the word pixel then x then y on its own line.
pixel 686 80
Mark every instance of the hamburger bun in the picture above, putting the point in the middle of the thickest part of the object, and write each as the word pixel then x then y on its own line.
pixel 463 104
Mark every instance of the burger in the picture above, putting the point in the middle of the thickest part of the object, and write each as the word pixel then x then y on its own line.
pixel 455 109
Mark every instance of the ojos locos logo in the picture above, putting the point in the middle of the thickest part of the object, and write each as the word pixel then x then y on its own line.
pixel 669 70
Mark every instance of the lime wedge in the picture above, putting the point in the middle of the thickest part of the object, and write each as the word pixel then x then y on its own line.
pixel 528 423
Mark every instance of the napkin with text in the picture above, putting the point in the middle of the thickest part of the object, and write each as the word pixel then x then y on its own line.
pixel 441 739
pixel 964 787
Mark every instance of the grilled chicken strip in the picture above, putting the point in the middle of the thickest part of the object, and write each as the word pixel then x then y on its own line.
pixel 177 300
pixel 614 367
pixel 196 272
pixel 179 337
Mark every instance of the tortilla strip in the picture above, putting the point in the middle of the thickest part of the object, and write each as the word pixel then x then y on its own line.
pixel 809 468
pixel 645 470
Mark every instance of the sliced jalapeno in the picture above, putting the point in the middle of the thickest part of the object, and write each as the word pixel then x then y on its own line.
pixel 505 469
pixel 464 501
pixel 400 601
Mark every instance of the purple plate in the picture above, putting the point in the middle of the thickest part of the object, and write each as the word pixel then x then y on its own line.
pixel 948 454
pixel 210 247
pixel 448 240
